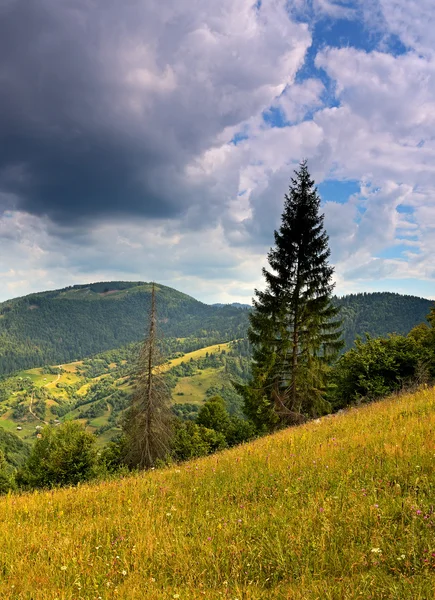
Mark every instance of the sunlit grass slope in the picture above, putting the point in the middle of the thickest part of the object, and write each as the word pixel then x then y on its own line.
pixel 339 509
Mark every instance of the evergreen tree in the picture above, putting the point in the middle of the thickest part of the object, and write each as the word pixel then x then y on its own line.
pixel 148 422
pixel 294 327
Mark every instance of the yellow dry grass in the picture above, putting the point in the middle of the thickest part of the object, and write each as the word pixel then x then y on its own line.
pixel 340 509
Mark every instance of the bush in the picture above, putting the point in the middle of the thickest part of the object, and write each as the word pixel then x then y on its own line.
pixel 63 455
pixel 376 368
pixel 192 440
pixel 214 415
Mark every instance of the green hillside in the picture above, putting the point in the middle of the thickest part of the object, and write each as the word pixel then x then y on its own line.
pixel 69 324
pixel 97 390
pixel 336 509
pixel 381 313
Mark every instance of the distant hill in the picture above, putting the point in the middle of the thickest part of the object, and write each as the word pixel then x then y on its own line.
pixel 236 304
pixel 64 325
pixel 381 313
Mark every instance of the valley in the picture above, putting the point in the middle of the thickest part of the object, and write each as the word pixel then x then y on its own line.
pixel 100 326
pixel 96 391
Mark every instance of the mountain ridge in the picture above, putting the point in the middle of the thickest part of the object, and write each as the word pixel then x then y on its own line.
pixel 57 326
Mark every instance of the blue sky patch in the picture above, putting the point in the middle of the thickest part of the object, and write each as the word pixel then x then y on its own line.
pixel 338 191
pixel 397 251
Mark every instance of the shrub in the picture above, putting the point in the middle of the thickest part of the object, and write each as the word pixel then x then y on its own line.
pixel 63 455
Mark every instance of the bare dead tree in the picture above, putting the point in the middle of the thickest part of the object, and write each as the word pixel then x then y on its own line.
pixel 148 422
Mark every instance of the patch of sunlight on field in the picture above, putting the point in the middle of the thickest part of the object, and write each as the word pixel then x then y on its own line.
pixel 85 388
pixel 101 421
pixel 38 378
pixel 72 367
pixel 195 355
pixel 192 389
pixel 27 428
pixel 340 509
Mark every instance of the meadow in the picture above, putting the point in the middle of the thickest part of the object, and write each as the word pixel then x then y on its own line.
pixel 341 508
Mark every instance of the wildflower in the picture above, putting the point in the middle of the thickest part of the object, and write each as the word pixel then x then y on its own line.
pixel 63 568
pixel 376 550
pixel 124 572
pixel 176 596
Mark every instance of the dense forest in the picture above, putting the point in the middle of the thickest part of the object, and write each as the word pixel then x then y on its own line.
pixel 75 322
pixel 380 313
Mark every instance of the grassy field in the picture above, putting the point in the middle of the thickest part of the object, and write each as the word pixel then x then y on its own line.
pixel 192 389
pixel 339 509
pixel 195 355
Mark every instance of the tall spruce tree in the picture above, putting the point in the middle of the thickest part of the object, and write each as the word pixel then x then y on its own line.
pixel 294 327
pixel 148 424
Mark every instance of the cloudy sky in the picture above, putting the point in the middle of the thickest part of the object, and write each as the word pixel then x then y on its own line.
pixel 150 140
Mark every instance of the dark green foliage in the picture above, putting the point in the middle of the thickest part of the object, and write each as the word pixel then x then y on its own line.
pixel 6 479
pixel 64 455
pixel 377 367
pixel 186 411
pixel 14 450
pixel 379 314
pixel 294 328
pixel 214 415
pixel 214 430
pixel 111 457
pixel 191 441
pixel 239 431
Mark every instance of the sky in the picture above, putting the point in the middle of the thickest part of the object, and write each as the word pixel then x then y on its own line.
pixel 148 140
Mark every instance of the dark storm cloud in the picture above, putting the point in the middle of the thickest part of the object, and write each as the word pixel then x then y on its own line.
pixel 63 149
pixel 104 103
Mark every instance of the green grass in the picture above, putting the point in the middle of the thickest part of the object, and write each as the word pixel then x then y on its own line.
pixel 27 427
pixel 192 389
pixel 196 354
pixel 341 509
pixel 99 421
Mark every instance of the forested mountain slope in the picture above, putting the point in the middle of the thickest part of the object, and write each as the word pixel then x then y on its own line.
pixel 381 313
pixel 64 325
